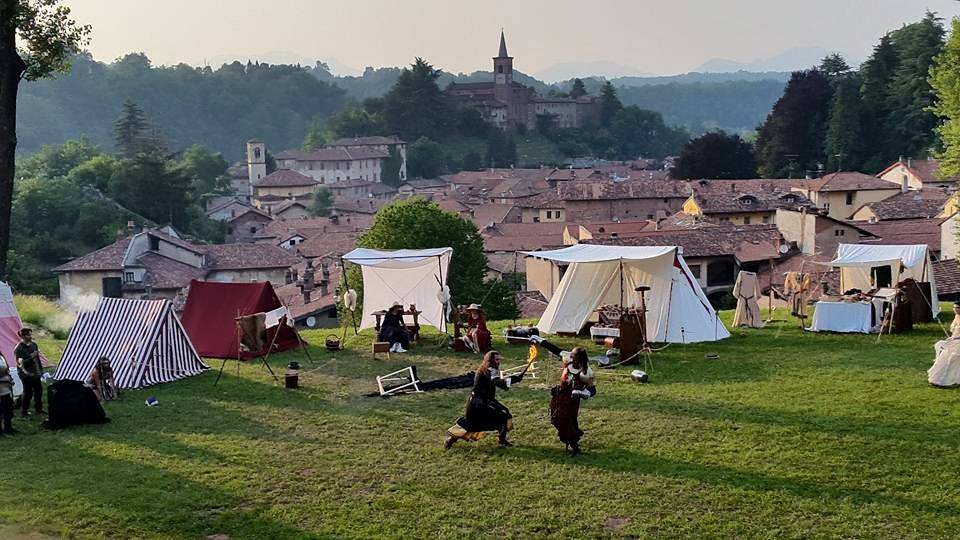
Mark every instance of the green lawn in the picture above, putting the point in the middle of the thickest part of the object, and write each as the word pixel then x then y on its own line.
pixel 787 435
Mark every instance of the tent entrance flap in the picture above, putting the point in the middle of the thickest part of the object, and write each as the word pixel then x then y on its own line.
pixel 408 276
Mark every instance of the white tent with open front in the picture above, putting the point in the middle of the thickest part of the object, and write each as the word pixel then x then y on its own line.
pixel 859 265
pixel 677 309
pixel 408 276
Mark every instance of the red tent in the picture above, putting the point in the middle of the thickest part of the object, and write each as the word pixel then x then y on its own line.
pixel 211 310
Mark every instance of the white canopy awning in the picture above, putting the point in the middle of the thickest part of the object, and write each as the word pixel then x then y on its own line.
pixel 407 276
pixel 580 253
pixel 873 255
pixel 395 258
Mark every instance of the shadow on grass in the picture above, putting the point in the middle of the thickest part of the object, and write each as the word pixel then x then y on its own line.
pixel 620 460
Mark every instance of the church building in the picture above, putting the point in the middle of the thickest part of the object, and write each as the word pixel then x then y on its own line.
pixel 508 104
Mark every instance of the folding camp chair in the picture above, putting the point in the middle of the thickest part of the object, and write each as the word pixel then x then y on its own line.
pixel 407 377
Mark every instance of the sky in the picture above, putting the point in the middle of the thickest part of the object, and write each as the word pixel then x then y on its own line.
pixel 640 36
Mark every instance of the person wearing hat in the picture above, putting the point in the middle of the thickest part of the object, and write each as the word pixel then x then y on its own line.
pixel 393 330
pixel 6 398
pixel 576 385
pixel 102 381
pixel 30 370
pixel 478 336
pixel 945 371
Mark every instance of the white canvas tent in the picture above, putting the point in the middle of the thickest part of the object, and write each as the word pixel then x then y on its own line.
pixel 857 261
pixel 678 310
pixel 408 276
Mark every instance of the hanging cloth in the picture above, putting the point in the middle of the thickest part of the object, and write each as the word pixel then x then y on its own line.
pixel 747 292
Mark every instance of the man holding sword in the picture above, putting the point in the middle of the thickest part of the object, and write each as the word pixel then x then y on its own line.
pixel 30 370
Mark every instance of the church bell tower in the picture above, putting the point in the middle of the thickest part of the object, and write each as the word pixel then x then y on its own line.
pixel 503 72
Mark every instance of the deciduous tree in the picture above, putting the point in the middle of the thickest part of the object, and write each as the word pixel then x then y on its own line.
pixel 715 155
pixel 945 79
pixel 37 38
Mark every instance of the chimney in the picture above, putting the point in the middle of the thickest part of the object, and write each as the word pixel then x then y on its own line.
pixel 904 184
pixel 307 293
pixel 288 277
pixel 131 226
pixel 324 271
pixel 335 219
pixel 308 275
pixel 324 287
pixel 909 162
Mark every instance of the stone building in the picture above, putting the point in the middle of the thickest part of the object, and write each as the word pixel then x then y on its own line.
pixel 508 104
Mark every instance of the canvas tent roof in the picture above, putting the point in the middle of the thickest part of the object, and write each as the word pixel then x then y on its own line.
pixel 210 313
pixel 408 276
pixel 906 262
pixel 10 325
pixel 677 309
pixel 142 338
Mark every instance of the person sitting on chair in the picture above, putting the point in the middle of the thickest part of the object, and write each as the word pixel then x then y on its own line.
pixel 393 330
pixel 945 371
pixel 478 336
pixel 102 381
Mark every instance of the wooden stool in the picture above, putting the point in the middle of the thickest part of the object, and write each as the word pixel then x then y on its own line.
pixel 381 347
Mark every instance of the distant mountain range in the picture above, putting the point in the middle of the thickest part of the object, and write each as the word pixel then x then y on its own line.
pixel 790 60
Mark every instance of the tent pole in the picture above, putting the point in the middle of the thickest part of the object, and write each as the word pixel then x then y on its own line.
pixel 621 282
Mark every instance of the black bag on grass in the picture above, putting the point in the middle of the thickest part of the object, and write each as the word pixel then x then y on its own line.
pixel 70 403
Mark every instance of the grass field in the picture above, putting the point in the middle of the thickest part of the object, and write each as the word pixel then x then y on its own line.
pixel 787 435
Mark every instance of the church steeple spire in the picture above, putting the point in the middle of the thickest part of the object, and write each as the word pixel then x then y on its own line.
pixel 503 46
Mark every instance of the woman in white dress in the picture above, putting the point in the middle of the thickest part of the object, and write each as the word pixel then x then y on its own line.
pixel 946 368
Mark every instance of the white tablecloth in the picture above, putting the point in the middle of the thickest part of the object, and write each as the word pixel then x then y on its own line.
pixel 842 317
pixel 597 331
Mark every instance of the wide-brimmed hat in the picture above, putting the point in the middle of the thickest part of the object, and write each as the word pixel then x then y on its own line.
pixel 396 305
pixel 475 307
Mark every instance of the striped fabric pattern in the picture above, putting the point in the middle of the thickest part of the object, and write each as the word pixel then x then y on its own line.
pixel 143 339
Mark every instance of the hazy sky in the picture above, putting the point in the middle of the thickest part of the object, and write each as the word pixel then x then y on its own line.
pixel 651 36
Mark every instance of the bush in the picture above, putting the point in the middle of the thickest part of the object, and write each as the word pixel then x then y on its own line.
pixel 38 312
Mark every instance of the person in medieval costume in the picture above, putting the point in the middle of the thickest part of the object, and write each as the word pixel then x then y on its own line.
pixel 747 293
pixel 483 412
pixel 945 371
pixel 478 336
pixel 393 330
pixel 30 370
pixel 6 399
pixel 576 385
pixel 101 380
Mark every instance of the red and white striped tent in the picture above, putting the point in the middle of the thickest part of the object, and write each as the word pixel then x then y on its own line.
pixel 143 339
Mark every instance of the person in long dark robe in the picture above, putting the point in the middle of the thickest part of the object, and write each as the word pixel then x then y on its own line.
pixel 576 384
pixel 393 330
pixel 484 413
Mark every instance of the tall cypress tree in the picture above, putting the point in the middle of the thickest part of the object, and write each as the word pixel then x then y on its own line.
pixel 131 130
pixel 609 104
pixel 876 75
pixel 844 136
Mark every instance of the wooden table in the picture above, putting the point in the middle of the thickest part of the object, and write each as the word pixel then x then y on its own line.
pixel 414 328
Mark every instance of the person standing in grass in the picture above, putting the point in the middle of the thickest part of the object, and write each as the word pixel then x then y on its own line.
pixel 484 413
pixel 30 370
pixel 6 398
pixel 576 384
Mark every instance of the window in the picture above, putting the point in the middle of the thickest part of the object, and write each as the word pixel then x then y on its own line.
pixel 849 198
pixel 695 270
pixel 724 219
pixel 229 230
pixel 500 69
pixel 839 232
pixel 256 153
pixel 720 273
pixel 766 219
pixel 253 230
pixel 746 220
pixel 128 277
pixel 154 243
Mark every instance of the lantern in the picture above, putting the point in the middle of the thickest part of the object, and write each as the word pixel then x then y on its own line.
pixel 292 376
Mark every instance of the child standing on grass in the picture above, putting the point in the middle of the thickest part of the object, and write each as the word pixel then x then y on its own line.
pixel 30 371
pixel 6 398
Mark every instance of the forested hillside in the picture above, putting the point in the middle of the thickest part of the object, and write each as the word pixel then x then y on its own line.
pixel 223 107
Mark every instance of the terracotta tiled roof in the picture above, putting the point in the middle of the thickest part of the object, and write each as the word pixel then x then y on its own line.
pixel 106 258
pixel 906 232
pixel 358 205
pixel 292 296
pixel 909 205
pixel 505 263
pixel 338 153
pixel 547 200
pixel 283 229
pixel 748 243
pixel 247 256
pixel 683 221
pixel 486 214
pixel 608 190
pixel 758 201
pixel 947 275
pixel 531 304
pixel 332 244
pixel 165 273
pixel 251 210
pixel 375 140
pixel 426 183
pixel 752 185
pixel 285 178
pixel 848 181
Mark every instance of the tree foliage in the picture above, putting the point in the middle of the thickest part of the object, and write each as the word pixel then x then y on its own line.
pixel 610 104
pixel 945 80
pixel 37 38
pixel 322 202
pixel 390 171
pixel 425 159
pixel 715 155
pixel 416 107
pixel 578 90
pixel 418 224
pixel 791 140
